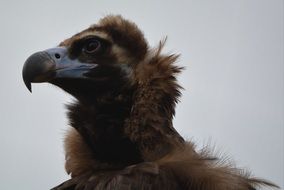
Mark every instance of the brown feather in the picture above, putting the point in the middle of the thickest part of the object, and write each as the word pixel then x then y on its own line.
pixel 160 157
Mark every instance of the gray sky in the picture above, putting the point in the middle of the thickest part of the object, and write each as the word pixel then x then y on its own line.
pixel 233 97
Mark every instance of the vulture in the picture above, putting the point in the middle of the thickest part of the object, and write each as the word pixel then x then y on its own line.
pixel 122 135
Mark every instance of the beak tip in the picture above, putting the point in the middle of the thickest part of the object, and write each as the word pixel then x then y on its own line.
pixel 27 81
pixel 28 85
pixel 30 89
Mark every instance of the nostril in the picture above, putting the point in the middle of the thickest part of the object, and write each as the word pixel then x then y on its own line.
pixel 57 55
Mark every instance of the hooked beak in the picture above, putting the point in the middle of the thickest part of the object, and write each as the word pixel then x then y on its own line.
pixel 54 63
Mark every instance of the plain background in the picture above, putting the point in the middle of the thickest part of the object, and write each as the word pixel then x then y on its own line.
pixel 233 97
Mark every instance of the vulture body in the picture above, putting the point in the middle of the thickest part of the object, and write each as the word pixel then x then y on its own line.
pixel 121 134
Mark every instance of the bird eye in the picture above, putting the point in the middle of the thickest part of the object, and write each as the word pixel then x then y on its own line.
pixel 91 46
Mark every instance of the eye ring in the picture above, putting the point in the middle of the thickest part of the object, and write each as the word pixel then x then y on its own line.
pixel 92 46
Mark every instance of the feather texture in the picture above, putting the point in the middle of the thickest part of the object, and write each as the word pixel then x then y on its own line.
pixel 122 135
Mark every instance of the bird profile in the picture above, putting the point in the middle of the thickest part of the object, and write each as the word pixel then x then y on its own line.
pixel 121 135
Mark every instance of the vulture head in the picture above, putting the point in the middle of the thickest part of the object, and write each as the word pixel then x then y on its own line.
pixel 121 134
pixel 97 61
